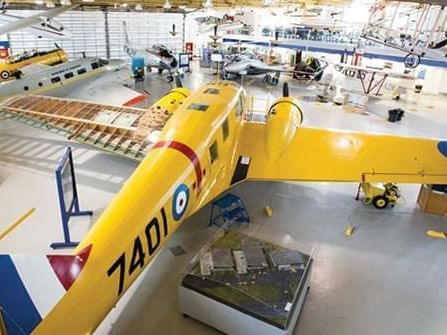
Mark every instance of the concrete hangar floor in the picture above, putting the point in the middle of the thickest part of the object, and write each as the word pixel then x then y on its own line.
pixel 388 278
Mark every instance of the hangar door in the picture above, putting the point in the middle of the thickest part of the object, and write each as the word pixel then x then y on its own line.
pixel 89 33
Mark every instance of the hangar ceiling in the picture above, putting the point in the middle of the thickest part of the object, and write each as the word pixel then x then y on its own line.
pixel 177 5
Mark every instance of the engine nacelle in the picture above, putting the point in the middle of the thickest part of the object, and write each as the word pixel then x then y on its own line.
pixel 283 120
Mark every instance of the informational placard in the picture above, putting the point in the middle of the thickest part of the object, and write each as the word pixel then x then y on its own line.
pixel 216 57
pixel 68 197
pixel 67 184
pixel 183 60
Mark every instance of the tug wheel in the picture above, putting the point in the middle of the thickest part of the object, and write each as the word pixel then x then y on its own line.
pixel 380 202
pixel 5 75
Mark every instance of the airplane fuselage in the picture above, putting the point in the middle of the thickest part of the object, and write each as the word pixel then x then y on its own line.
pixel 59 79
pixel 195 153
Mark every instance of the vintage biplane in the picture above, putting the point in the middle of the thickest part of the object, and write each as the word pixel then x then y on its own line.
pixel 418 29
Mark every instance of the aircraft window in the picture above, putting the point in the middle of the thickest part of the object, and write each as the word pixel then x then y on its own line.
pixel 198 107
pixel 55 80
pixel 68 75
pixel 82 70
pixel 213 152
pixel 212 91
pixel 225 129
pixel 239 108
pixel 40 84
pixel 95 65
pixel 26 88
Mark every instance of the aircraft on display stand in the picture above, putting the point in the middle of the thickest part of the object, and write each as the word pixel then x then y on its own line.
pixel 419 29
pixel 310 69
pixel 182 169
pixel 372 79
pixel 158 56
pixel 41 24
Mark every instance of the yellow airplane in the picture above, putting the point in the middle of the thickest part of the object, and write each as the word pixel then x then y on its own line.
pixel 11 67
pixel 204 147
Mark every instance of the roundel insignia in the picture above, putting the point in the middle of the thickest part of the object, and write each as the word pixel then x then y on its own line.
pixel 180 201
pixel 442 147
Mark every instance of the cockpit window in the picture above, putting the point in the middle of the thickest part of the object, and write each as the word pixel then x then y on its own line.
pixel 198 107
pixel 212 90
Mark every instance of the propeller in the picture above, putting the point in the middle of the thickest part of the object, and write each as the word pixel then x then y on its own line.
pixel 285 90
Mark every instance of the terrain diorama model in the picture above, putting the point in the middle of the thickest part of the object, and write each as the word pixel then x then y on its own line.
pixel 256 277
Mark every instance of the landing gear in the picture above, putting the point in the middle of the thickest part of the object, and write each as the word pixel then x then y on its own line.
pixel 5 75
pixel 271 80
pixel 412 60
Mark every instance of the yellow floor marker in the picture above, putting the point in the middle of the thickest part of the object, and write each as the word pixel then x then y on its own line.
pixel 268 211
pixel 349 230
pixel 16 223
pixel 436 234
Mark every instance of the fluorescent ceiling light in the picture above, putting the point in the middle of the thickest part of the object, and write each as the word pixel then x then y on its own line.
pixel 167 5
pixel 138 7
pixel 38 2
pixel 88 0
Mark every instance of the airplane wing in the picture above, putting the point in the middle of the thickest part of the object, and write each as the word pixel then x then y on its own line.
pixel 382 72
pixel 107 93
pixel 268 68
pixel 342 156
pixel 33 68
pixel 121 130
pixel 16 23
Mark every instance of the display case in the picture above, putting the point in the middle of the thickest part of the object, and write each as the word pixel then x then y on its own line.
pixel 243 284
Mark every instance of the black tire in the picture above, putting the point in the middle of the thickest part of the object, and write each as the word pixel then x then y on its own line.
pixel 412 60
pixel 5 75
pixel 380 202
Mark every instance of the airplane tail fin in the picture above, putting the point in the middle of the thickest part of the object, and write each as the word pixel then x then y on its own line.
pixel 128 48
pixel 126 34
pixel 32 285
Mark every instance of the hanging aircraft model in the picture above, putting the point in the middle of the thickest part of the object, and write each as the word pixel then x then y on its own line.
pixel 89 78
pixel 158 56
pixel 41 24
pixel 419 30
pixel 225 23
pixel 182 169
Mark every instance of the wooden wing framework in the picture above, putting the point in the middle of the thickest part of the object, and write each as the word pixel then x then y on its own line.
pixel 122 130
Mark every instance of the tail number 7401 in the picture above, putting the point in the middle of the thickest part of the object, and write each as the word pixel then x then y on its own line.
pixel 152 239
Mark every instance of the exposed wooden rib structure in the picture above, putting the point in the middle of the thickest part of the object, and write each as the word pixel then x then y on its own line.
pixel 122 130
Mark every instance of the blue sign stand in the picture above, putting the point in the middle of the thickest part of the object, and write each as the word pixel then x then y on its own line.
pixel 68 198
